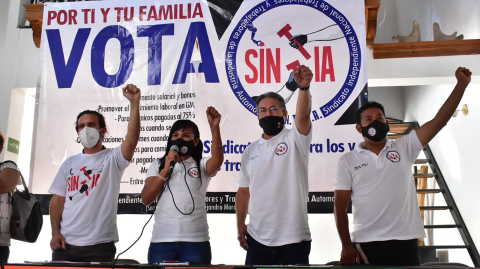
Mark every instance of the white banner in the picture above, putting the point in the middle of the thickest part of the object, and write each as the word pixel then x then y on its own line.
pixel 171 51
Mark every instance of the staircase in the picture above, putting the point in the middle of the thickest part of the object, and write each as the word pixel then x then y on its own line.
pixel 421 176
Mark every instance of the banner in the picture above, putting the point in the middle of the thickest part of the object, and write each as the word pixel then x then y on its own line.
pixel 183 63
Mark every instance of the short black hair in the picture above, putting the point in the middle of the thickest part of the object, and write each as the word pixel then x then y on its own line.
pixel 271 95
pixel 2 139
pixel 101 118
pixel 369 104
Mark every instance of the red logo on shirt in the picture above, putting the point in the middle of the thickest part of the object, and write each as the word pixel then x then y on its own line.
pixel 393 156
pixel 282 148
pixel 82 186
pixel 193 172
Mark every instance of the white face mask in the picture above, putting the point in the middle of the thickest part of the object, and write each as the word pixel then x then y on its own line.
pixel 89 137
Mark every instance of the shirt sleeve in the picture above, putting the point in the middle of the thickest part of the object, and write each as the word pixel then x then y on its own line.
pixel 154 169
pixel 243 176
pixel 122 163
pixel 413 146
pixel 59 184
pixel 343 178
pixel 203 168
pixel 301 140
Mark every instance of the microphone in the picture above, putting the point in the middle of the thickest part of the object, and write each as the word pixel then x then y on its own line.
pixel 176 149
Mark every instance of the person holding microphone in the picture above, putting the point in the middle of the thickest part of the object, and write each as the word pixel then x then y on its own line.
pixel 180 232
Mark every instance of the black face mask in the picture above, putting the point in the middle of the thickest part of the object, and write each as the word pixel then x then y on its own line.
pixel 272 125
pixel 185 147
pixel 376 131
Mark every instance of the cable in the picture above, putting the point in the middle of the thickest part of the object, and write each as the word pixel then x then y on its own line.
pixel 113 267
pixel 322 29
pixel 173 199
pixel 326 39
pixel 167 184
pixel 153 213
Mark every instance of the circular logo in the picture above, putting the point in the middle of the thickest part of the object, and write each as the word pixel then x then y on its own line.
pixel 184 150
pixel 372 131
pixel 193 172
pixel 282 148
pixel 393 156
pixel 260 52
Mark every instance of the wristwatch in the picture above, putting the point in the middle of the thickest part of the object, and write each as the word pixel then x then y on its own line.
pixel 303 89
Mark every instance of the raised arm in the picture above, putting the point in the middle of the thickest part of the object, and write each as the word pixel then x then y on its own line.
pixel 56 210
pixel 303 76
pixel 349 254
pixel 133 94
pixel 241 207
pixel 214 163
pixel 428 131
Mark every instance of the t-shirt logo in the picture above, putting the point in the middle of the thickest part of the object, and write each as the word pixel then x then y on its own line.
pixel 184 150
pixel 282 148
pixel 193 172
pixel 372 131
pixel 393 156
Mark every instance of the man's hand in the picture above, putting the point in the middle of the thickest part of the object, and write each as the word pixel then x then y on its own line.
pixel 57 242
pixel 213 117
pixel 242 231
pixel 302 39
pixel 303 76
pixel 463 75
pixel 350 256
pixel 132 93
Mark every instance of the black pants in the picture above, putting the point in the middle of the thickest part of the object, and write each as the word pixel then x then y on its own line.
pixel 97 253
pixel 4 253
pixel 291 254
pixel 393 252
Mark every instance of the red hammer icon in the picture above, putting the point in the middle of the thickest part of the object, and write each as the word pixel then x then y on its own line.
pixel 285 31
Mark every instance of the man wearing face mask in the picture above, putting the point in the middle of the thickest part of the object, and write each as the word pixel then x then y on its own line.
pixel 83 210
pixel 273 182
pixel 377 176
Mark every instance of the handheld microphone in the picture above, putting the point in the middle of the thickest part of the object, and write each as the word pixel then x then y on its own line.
pixel 176 149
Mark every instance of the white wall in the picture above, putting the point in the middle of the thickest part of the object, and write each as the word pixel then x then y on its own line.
pixel 396 17
pixel 391 98
pixel 387 24
pixel 18 62
pixel 460 15
pixel 455 149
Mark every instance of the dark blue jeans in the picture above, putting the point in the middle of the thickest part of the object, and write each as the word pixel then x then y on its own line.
pixel 291 254
pixel 196 253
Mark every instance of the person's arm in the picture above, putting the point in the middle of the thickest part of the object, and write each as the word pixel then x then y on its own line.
pixel 241 206
pixel 9 179
pixel 133 94
pixel 428 131
pixel 303 76
pixel 349 254
pixel 56 210
pixel 152 188
pixel 155 180
pixel 214 163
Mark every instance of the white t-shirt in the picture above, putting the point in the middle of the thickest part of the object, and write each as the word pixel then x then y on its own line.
pixel 384 198
pixel 171 225
pixel 91 184
pixel 276 173
pixel 5 210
